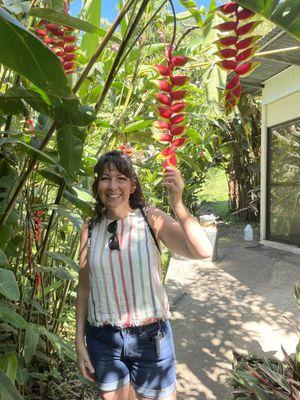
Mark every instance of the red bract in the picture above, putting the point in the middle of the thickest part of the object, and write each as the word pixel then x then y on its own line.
pixel 227 53
pixel 178 130
pixel 179 80
pixel 41 32
pixel 237 91
pixel 233 83
pixel 163 125
pixel 244 14
pixel 168 151
pixel 243 30
pixel 229 8
pixel 245 55
pixel 227 41
pixel 247 68
pixel 163 98
pixel 164 85
pixel 249 41
pixel 227 26
pixel 71 38
pixel 69 57
pixel 163 70
pixel 178 142
pixel 70 49
pixel 178 107
pixel 165 137
pixel 177 119
pixel 69 65
pixel 179 61
pixel 228 65
pixel 164 112
pixel 178 95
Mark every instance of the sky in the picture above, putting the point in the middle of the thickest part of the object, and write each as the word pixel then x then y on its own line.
pixel 109 11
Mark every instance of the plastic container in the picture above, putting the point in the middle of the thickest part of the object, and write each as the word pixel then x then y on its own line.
pixel 248 232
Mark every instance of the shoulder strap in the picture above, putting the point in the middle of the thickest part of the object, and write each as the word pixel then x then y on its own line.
pixel 90 228
pixel 150 228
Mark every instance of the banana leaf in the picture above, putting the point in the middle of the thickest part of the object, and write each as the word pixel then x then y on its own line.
pixel 285 14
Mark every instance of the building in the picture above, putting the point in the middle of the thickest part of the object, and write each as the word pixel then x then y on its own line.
pixel 278 79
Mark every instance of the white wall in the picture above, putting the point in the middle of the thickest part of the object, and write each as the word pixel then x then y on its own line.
pixel 280 103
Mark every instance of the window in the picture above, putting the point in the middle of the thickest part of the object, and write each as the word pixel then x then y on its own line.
pixel 283 191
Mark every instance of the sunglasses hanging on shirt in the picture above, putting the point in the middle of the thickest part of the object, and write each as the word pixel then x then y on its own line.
pixel 113 242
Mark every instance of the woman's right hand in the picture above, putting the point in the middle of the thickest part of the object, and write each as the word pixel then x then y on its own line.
pixel 84 362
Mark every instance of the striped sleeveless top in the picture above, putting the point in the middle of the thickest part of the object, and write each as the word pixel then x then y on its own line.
pixel 126 286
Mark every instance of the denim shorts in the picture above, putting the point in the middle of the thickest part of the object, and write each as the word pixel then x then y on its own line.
pixel 143 356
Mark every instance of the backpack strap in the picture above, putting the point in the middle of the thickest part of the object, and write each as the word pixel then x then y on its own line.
pixel 90 228
pixel 150 228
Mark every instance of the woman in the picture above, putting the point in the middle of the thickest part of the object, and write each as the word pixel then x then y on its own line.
pixel 122 307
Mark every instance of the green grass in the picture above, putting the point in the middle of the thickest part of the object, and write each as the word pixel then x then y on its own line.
pixel 214 195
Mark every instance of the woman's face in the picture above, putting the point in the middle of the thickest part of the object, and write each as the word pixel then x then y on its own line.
pixel 114 188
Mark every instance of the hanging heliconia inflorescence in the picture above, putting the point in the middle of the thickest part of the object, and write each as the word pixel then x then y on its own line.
pixel 171 106
pixel 125 148
pixel 60 39
pixel 236 48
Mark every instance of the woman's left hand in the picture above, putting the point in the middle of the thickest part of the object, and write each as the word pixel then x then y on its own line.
pixel 173 181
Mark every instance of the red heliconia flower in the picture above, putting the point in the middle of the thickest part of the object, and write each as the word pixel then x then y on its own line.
pixel 169 98
pixel 236 52
pixel 58 38
pixel 37 224
pixel 179 80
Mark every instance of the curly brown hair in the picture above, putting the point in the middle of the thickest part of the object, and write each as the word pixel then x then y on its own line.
pixel 122 163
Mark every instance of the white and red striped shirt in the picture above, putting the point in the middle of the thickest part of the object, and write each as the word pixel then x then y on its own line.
pixel 126 286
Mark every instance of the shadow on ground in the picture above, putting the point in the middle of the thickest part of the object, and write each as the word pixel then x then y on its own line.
pixel 236 303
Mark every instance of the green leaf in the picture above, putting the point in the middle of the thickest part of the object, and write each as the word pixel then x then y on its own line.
pixel 137 126
pixel 7 314
pixel 284 14
pixel 7 390
pixel 70 141
pixel 92 14
pixel 34 61
pixel 32 151
pixel 8 284
pixel 191 6
pixel 57 5
pixel 5 234
pixel 22 376
pixel 3 259
pixel 61 257
pixel 84 206
pixel 11 104
pixel 62 348
pixel 32 337
pixel 54 16
pixel 9 364
pixel 16 6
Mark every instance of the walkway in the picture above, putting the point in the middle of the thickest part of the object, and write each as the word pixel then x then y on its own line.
pixel 236 303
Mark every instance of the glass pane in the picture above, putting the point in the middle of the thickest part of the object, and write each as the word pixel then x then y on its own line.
pixel 284 183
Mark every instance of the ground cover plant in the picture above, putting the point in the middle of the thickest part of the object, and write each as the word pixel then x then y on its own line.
pixel 70 89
